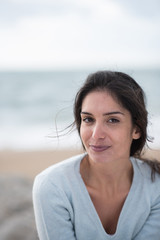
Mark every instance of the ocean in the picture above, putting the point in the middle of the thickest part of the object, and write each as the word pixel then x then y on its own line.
pixel 34 104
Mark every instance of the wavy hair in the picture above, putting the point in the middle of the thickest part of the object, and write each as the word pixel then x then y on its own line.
pixel 129 94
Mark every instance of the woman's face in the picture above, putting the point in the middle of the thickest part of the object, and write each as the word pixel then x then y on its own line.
pixel 106 128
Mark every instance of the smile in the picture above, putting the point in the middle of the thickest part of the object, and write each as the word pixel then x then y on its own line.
pixel 99 148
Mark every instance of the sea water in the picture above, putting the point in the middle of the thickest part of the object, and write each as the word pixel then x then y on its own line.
pixel 33 105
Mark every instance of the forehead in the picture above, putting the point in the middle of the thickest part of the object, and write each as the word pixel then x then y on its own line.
pixel 103 99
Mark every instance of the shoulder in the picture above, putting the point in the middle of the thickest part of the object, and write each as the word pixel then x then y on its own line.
pixel 144 168
pixel 143 174
pixel 59 175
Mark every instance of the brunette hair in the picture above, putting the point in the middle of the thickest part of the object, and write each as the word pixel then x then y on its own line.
pixel 127 92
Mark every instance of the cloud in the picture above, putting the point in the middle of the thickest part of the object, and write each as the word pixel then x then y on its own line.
pixel 142 9
pixel 15 10
pixel 69 33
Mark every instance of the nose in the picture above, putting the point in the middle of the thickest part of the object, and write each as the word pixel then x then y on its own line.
pixel 98 131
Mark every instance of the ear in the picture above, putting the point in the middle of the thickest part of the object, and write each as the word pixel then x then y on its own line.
pixel 136 133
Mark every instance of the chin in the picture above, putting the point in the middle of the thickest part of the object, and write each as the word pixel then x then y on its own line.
pixel 99 157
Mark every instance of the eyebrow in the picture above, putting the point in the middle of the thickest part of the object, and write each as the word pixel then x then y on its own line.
pixel 105 114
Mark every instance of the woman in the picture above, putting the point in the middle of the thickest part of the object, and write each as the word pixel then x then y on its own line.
pixel 107 192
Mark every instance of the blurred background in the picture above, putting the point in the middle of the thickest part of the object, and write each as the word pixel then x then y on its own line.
pixel 47 49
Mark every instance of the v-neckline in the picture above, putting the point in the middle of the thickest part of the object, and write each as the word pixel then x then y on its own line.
pixel 93 215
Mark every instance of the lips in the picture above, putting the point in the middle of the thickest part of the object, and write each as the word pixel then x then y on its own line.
pixel 99 148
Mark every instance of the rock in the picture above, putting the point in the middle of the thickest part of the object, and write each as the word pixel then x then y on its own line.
pixel 17 218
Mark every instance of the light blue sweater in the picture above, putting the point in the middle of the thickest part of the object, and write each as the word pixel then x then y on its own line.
pixel 64 210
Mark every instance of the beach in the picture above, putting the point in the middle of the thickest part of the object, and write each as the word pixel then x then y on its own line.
pixel 29 163
pixel 17 172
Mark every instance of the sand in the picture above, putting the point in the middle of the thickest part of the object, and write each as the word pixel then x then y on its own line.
pixel 30 163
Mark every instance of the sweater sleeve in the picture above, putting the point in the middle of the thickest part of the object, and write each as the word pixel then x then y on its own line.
pixel 53 212
pixel 151 228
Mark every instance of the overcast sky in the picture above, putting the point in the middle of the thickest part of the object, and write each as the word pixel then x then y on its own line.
pixel 61 34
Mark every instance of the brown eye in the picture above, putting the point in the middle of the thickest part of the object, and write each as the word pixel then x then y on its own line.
pixel 88 119
pixel 113 120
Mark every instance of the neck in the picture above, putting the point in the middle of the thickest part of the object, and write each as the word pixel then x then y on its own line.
pixel 107 177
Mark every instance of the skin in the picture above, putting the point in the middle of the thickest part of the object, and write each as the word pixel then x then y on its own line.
pixel 107 133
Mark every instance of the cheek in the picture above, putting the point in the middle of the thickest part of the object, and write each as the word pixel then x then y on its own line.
pixel 124 136
pixel 83 137
pixel 85 133
pixel 82 133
